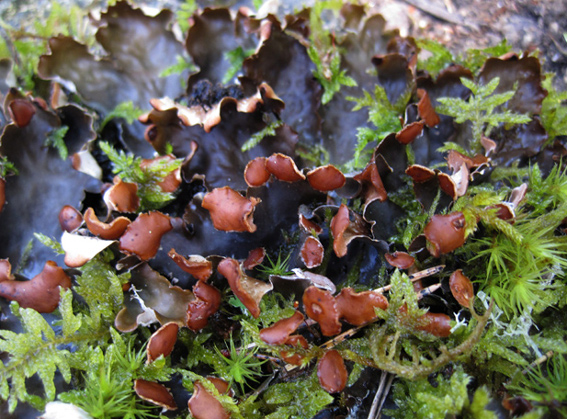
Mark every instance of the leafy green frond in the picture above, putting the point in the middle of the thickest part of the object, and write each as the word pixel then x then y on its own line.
pixel 329 73
pixel 68 20
pixel 439 57
pixel 274 307
pixel 324 53
pixel 474 58
pixel 481 109
pixel 124 110
pixel 478 407
pixel 316 154
pixel 101 289
pixel 235 57
pixel 402 294
pixel 415 219
pixel 301 398
pixel 449 145
pixel 44 348
pixel 41 349
pixel 181 65
pixel 423 399
pixel 7 167
pixel 49 242
pixel 56 139
pixel 128 168
pixel 267 131
pixel 553 110
pixel 186 10
pixel 382 114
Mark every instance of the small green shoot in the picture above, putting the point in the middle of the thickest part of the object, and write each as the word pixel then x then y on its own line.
pixel 481 109
pixel 125 110
pixel 517 265
pixel 186 10
pixel 50 242
pixel 29 43
pixel 240 365
pixel 296 399
pixel 316 154
pixel 329 73
pixel 128 168
pixel 324 54
pixel 546 385
pixel 7 167
pixel 235 57
pixel 553 110
pixel 278 267
pixel 548 192
pixel 422 399
pixel 56 140
pixel 42 349
pixel 382 114
pixel 439 56
pixel 268 131
pixel 181 65
pixel 108 383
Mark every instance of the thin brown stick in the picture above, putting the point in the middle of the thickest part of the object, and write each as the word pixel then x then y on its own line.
pixel 377 396
pixel 537 362
pixel 440 13
pixel 384 395
pixel 416 276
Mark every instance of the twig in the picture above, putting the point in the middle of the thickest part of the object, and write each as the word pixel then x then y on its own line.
pixel 561 49
pixel 538 361
pixel 386 391
pixel 374 408
pixel 440 13
pixel 416 276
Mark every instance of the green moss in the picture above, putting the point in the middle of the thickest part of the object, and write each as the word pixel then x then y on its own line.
pixel 439 57
pixel 325 54
pixel 553 110
pixel 7 168
pixel 50 242
pixel 422 400
pixel 107 389
pixel 269 130
pixel 41 349
pixel 235 57
pixel 26 45
pixel 128 168
pixel 240 366
pixel 55 139
pixel 125 110
pixel 482 109
pixel 385 117
pixel 298 399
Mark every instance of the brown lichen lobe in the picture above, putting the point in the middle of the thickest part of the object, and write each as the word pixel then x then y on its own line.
pixel 41 293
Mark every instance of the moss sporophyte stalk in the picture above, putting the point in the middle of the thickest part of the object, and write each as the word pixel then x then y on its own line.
pixel 278 217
